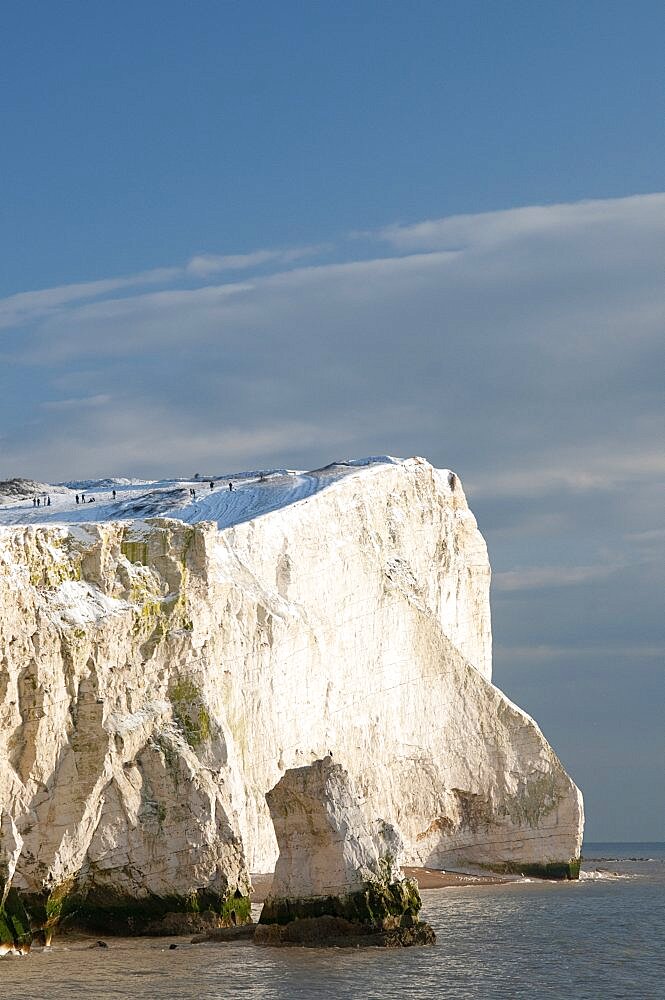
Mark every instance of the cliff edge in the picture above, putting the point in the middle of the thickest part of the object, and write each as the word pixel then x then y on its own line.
pixel 158 675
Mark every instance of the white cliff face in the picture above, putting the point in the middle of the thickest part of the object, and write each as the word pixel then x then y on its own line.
pixel 111 773
pixel 157 678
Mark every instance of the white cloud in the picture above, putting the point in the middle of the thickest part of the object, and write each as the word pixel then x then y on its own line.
pixel 203 265
pixel 24 307
pixel 522 224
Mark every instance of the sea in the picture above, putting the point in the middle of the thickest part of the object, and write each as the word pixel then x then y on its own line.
pixel 602 938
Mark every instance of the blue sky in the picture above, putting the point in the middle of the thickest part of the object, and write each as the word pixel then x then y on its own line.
pixel 135 134
pixel 241 234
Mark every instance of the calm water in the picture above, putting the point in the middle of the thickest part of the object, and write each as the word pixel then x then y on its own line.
pixel 601 938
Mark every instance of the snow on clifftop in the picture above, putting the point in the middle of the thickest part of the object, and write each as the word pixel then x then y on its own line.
pixel 253 494
pixel 16 490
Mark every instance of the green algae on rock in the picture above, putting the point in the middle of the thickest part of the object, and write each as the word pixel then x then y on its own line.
pixel 190 712
pixel 15 925
pixel 560 871
pixel 112 913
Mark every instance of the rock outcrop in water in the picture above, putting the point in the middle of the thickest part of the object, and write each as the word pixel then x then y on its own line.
pixel 337 878
pixel 158 677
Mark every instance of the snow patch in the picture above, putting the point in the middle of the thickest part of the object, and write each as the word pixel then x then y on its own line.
pixel 81 603
pixel 227 501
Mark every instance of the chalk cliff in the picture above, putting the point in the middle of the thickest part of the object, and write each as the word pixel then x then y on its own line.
pixel 157 677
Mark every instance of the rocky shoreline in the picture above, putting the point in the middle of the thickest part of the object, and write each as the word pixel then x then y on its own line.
pixel 205 929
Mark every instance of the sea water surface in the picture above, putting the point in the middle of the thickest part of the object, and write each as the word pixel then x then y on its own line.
pixel 597 939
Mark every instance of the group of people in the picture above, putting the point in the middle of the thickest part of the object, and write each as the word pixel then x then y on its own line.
pixel 212 486
pixel 211 483
pixel 45 499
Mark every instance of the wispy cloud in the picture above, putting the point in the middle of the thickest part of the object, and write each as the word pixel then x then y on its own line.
pixel 77 402
pixel 578 652
pixel 544 577
pixel 203 265
pixel 523 224
pixel 656 536
pixel 26 307
pixel 140 433
pixel 23 307
pixel 586 469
